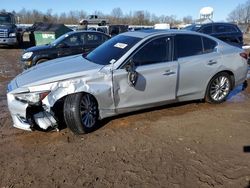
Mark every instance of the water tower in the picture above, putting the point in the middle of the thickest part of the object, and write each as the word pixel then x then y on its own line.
pixel 207 13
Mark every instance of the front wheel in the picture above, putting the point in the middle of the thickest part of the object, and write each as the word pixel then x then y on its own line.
pixel 219 88
pixel 41 61
pixel 81 113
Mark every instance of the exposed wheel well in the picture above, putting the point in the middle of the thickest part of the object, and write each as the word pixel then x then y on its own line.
pixel 58 106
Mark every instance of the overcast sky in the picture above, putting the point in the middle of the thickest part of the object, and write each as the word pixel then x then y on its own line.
pixel 180 8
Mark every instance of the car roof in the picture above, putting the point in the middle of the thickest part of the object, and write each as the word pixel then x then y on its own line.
pixel 85 31
pixel 152 32
pixel 217 23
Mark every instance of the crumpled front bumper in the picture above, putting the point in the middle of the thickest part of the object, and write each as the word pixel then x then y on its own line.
pixel 26 120
pixel 18 113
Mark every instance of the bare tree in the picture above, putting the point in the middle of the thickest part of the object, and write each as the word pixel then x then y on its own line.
pixel 117 13
pixel 187 19
pixel 116 16
pixel 241 14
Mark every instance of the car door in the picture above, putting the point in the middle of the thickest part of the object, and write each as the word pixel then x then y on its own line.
pixel 71 45
pixel 198 60
pixel 156 81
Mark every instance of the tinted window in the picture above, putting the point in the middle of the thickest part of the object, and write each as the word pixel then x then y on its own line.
pixel 155 51
pixel 112 50
pixel 208 45
pixel 194 27
pixel 224 29
pixel 93 38
pixel 207 29
pixel 72 40
pixel 188 45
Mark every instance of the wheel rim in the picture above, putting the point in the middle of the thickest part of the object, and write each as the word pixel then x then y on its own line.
pixel 220 88
pixel 88 111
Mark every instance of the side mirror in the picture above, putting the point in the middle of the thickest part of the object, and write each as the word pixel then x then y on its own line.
pixel 63 45
pixel 132 74
pixel 130 67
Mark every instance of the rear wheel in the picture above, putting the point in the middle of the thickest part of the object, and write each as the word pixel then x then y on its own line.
pixel 219 88
pixel 81 113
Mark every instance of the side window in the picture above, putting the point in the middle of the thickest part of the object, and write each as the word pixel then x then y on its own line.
pixel 208 45
pixel 220 29
pixel 93 39
pixel 230 29
pixel 207 29
pixel 156 51
pixel 188 45
pixel 224 29
pixel 104 38
pixel 72 40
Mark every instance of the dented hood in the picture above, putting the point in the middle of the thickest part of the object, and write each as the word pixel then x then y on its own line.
pixel 57 69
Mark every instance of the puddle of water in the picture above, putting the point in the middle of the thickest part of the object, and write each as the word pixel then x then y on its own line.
pixel 237 95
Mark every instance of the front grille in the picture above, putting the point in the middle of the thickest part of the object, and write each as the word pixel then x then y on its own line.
pixel 3 33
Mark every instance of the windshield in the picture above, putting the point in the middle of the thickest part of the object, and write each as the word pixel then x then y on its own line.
pixel 112 50
pixel 195 27
pixel 5 19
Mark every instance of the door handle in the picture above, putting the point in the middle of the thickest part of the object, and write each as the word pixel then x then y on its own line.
pixel 212 62
pixel 168 72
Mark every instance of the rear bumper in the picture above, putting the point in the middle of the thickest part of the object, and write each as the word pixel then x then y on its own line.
pixel 8 41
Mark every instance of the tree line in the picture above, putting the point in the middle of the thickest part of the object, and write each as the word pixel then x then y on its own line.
pixel 116 16
pixel 241 14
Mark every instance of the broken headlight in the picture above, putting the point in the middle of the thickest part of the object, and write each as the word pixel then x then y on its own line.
pixel 31 98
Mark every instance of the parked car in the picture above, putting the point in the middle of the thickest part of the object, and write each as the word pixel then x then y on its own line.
pixel 227 32
pixel 94 19
pixel 71 43
pixel 132 71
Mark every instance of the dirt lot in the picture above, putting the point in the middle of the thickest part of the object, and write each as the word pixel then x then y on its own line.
pixel 185 145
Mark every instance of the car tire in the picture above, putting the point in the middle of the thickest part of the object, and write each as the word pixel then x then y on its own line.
pixel 41 61
pixel 218 88
pixel 81 113
pixel 103 23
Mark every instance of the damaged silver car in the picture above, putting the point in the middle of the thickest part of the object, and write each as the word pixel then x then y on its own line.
pixel 132 71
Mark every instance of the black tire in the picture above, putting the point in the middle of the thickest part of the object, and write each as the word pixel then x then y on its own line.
pixel 41 61
pixel 81 113
pixel 103 23
pixel 218 88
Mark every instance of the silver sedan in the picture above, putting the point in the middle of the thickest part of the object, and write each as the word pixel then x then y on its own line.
pixel 132 71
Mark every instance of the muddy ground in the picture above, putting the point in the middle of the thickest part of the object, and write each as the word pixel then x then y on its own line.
pixel 186 145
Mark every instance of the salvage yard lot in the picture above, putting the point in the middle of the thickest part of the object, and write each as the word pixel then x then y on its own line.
pixel 185 145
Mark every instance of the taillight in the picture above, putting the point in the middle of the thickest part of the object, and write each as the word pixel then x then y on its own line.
pixel 244 55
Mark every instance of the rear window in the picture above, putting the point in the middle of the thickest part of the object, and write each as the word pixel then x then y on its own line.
pixel 208 45
pixel 188 45
pixel 207 29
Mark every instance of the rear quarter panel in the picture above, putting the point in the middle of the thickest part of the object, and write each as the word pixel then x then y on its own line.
pixel 232 61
